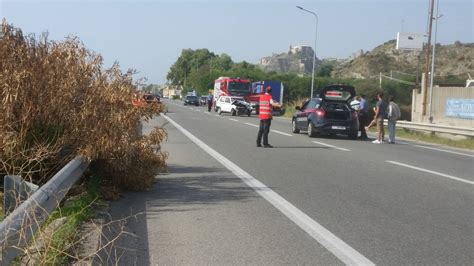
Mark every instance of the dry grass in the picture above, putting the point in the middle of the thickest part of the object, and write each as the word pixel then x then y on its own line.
pixel 57 102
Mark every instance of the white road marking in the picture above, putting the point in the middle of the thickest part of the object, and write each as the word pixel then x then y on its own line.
pixel 335 245
pixel 252 125
pixel 234 119
pixel 432 172
pixel 217 115
pixel 436 149
pixel 324 144
pixel 282 133
pixel 198 110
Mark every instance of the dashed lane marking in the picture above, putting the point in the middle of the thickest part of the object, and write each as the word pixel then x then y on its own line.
pixel 252 125
pixel 332 146
pixel 282 133
pixel 432 172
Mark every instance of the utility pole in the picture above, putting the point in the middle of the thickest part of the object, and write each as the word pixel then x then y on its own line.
pixel 424 90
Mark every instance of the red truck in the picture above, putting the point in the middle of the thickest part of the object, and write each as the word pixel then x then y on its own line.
pixel 225 86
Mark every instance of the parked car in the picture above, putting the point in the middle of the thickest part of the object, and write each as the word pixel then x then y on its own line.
pixel 233 105
pixel 330 113
pixel 192 100
pixel 151 98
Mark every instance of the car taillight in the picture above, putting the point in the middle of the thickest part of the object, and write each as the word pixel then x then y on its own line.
pixel 320 113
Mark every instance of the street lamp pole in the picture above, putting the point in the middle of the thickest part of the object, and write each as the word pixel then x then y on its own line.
pixel 433 62
pixel 315 41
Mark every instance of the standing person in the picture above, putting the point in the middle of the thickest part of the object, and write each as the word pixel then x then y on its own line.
pixel 380 108
pixel 209 102
pixel 393 116
pixel 265 115
pixel 355 104
pixel 363 116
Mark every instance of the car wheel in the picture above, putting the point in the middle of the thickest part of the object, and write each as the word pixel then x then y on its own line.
pixel 249 113
pixel 293 127
pixel 311 132
pixel 233 112
pixel 219 110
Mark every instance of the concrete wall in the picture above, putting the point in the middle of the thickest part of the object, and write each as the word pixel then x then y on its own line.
pixel 438 107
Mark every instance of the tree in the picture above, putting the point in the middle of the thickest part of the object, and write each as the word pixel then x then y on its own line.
pixel 325 70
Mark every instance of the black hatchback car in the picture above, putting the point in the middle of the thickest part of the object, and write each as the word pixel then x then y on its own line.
pixel 330 113
pixel 192 100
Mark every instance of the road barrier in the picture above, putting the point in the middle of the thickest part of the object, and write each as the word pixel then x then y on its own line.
pixel 19 226
pixel 463 131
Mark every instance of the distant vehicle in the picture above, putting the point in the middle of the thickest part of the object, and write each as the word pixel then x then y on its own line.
pixel 225 86
pixel 203 100
pixel 192 100
pixel 329 114
pixel 233 105
pixel 258 88
pixel 151 98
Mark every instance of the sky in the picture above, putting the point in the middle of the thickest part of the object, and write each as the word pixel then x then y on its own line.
pixel 149 35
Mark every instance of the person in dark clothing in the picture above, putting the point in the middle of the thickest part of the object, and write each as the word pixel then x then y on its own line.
pixel 209 102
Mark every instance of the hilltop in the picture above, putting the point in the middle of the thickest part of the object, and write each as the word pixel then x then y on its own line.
pixel 451 60
pixel 298 60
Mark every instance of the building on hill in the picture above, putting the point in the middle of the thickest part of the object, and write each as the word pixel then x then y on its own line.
pixel 298 60
pixel 301 49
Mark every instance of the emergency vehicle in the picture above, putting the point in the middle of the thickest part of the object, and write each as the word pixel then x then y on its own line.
pixel 258 88
pixel 225 86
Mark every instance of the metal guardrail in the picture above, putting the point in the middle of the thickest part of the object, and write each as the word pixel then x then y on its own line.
pixel 18 227
pixel 463 131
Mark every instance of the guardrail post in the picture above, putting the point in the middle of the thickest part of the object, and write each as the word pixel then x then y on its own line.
pixel 16 191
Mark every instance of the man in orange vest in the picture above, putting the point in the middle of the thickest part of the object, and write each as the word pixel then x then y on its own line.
pixel 265 115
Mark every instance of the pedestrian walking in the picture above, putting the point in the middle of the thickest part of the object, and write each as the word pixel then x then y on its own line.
pixel 209 102
pixel 363 116
pixel 380 109
pixel 265 115
pixel 393 115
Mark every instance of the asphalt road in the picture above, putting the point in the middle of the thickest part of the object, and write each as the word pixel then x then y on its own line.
pixel 316 201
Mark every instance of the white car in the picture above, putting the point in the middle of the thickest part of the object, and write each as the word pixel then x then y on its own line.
pixel 233 105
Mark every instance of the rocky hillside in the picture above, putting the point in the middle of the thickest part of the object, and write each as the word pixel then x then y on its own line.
pixel 456 60
pixel 298 59
pixel 451 60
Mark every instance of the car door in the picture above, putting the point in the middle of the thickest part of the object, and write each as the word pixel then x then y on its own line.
pixel 220 102
pixel 300 116
pixel 306 110
pixel 227 105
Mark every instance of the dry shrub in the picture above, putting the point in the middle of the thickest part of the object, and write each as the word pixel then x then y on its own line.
pixel 58 102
